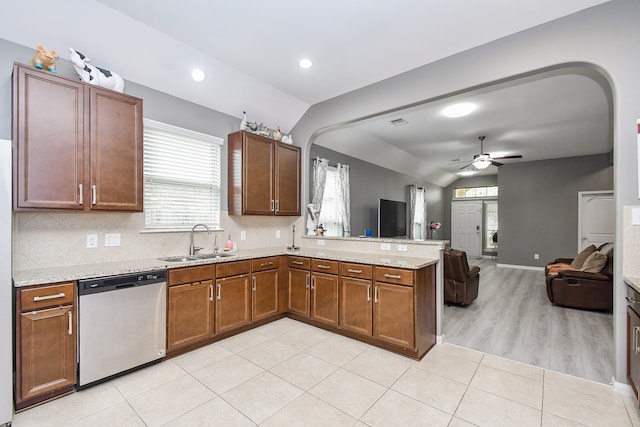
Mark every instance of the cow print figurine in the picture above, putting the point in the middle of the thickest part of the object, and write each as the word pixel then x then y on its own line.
pixel 93 75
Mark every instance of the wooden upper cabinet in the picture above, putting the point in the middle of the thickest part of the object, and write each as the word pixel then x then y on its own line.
pixel 264 176
pixel 116 151
pixel 48 138
pixel 76 146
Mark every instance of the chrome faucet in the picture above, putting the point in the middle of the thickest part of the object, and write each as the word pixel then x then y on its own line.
pixel 193 249
pixel 215 244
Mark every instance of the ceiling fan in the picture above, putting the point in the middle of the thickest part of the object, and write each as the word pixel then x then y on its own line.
pixel 483 160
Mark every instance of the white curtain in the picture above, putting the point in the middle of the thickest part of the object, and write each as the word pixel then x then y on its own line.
pixel 417 229
pixel 319 177
pixel 345 193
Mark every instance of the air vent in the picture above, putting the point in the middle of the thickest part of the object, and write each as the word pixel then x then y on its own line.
pixel 399 122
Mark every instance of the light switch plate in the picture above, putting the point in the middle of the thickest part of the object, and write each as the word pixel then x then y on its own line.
pixel 112 239
pixel 92 241
pixel 385 246
pixel 635 216
pixel 243 235
pixel 277 234
pixel 402 248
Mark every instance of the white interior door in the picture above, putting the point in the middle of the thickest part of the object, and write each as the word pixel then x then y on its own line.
pixel 596 218
pixel 466 227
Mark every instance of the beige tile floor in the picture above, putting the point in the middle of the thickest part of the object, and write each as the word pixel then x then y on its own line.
pixel 291 374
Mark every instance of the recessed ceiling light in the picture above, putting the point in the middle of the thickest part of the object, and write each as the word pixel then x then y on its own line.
pixel 305 63
pixel 197 74
pixel 459 110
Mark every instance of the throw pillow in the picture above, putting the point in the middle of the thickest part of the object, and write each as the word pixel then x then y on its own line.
pixel 606 249
pixel 582 256
pixel 594 263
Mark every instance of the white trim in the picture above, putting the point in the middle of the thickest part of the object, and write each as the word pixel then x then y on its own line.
pixel 182 131
pixel 521 267
pixel 622 388
pixel 581 194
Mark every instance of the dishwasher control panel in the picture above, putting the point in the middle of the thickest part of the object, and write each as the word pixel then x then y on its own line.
pixel 121 281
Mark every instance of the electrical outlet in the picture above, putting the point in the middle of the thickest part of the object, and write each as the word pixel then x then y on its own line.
pixel 243 235
pixel 402 248
pixel 536 256
pixel 112 239
pixel 385 246
pixel 277 234
pixel 92 241
pixel 320 242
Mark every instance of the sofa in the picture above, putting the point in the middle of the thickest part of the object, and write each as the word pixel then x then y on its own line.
pixel 570 284
pixel 461 281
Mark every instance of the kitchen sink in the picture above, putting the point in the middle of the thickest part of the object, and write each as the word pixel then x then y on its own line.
pixel 215 255
pixel 179 258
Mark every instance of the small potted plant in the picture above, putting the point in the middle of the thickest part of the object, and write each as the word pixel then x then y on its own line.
pixel 433 226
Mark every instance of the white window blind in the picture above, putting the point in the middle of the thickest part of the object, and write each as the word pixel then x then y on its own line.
pixel 331 212
pixel 181 177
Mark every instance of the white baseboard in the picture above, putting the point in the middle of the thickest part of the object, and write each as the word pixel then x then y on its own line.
pixel 623 388
pixel 521 267
pixel 439 339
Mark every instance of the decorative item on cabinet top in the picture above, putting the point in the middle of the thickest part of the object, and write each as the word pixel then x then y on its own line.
pixel 262 130
pixel 91 74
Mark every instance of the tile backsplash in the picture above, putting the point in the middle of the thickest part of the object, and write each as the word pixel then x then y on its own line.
pixel 47 239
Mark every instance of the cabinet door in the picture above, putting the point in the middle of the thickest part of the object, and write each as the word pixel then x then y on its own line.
pixel 190 317
pixel 47 351
pixel 116 151
pixel 356 305
pixel 49 135
pixel 633 349
pixel 299 292
pixel 324 298
pixel 287 179
pixel 257 170
pixel 233 302
pixel 393 314
pixel 265 294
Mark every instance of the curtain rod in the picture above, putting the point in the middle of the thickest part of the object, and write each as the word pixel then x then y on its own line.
pixel 334 165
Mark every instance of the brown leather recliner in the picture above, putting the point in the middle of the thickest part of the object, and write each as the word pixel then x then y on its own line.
pixel 461 281
pixel 579 289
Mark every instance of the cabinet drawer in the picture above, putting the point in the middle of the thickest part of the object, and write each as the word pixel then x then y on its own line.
pixel 261 264
pixel 324 266
pixel 633 299
pixel 234 268
pixel 394 275
pixel 179 276
pixel 47 296
pixel 361 271
pixel 299 262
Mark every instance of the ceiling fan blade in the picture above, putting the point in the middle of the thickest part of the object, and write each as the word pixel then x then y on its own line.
pixel 494 163
pixel 466 166
pixel 516 156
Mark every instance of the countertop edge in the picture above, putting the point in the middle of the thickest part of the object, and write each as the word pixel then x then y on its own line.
pixel 633 282
pixel 40 276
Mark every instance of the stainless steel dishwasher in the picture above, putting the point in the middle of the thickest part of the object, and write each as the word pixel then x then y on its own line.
pixel 122 323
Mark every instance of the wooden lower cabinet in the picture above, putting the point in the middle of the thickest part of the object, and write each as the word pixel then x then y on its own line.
pixel 191 307
pixel 233 302
pixel 393 314
pixel 264 289
pixel 356 305
pixel 323 297
pixel 45 342
pixel 633 339
pixel 298 289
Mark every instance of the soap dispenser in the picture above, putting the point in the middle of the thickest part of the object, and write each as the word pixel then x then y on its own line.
pixel 229 245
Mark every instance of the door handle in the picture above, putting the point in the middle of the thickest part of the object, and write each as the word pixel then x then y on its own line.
pixel 368 293
pixel 211 292
pixel 218 292
pixel 313 283
pixel 70 331
pixel 306 281
pixel 80 195
pixel 636 329
pixel 46 297
pixel 94 195
pixel 375 295
pixel 254 284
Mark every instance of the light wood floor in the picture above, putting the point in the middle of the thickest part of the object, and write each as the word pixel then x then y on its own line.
pixel 513 318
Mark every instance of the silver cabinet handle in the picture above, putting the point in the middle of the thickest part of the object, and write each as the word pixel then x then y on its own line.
pixel 80 195
pixel 94 195
pixel 636 329
pixel 277 205
pixel 375 295
pixel 272 205
pixel 218 292
pixel 326 267
pixel 70 323
pixel 313 283
pixel 632 300
pixel 46 297
pixel 297 262
pixel 351 270
pixel 254 284
pixel 368 292
pixel 264 264
pixel 393 276
pixel 211 292
pixel 306 282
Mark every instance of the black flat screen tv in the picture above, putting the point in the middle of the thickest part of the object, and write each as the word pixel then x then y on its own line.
pixel 392 218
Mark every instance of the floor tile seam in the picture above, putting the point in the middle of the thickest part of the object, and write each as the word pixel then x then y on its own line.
pixel 510 400
pixel 304 392
pixel 372 380
pixel 102 408
pixel 185 413
pixel 184 374
pixel 573 377
pixel 391 390
pixel 511 372
pixel 267 369
pixel 208 364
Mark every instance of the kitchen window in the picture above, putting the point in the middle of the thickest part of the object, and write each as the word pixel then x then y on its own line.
pixel 331 212
pixel 181 177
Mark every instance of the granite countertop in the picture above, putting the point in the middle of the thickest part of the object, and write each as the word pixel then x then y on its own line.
pixel 76 272
pixel 634 282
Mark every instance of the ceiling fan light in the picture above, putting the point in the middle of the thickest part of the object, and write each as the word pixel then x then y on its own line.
pixel 481 164
pixel 459 110
pixel 466 173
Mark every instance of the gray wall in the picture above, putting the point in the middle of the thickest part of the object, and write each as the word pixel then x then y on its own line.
pixel 369 183
pixel 157 105
pixel 538 206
